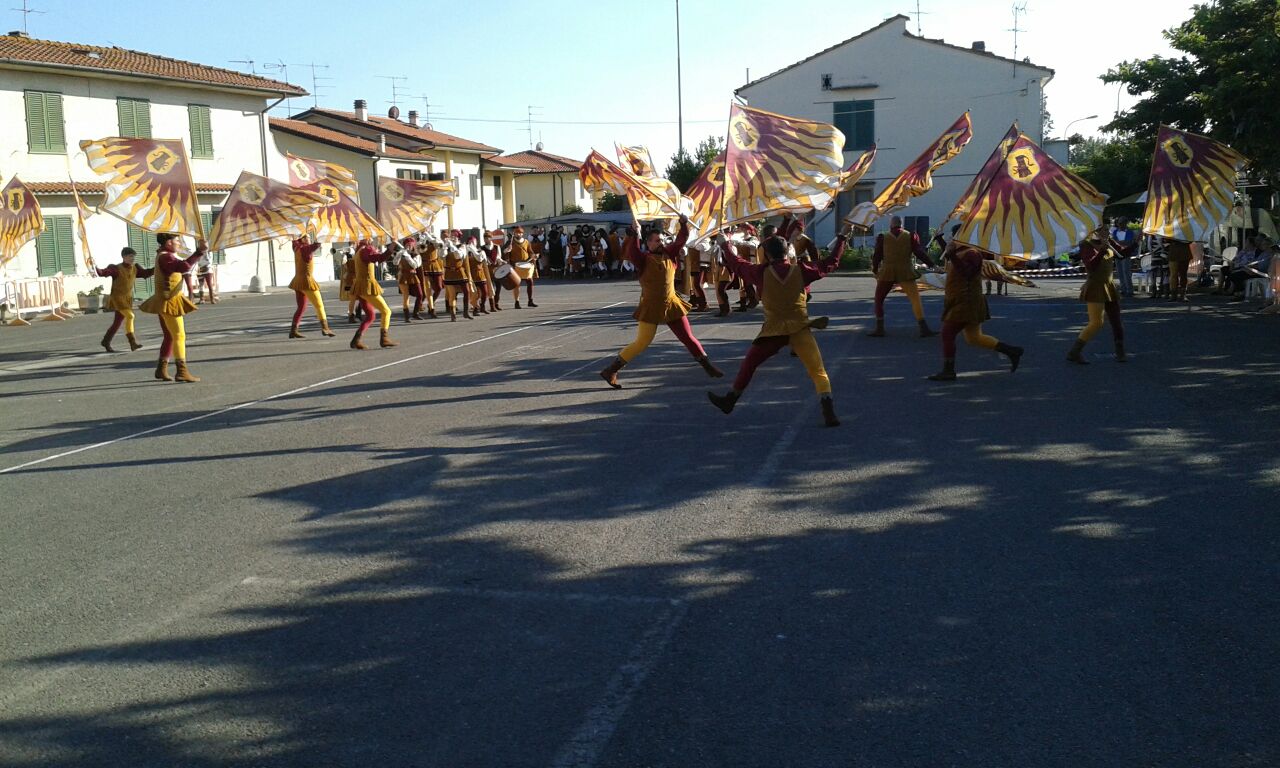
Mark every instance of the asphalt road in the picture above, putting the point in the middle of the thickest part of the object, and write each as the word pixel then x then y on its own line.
pixel 467 551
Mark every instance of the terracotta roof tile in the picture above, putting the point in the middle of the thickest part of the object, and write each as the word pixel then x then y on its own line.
pixel 27 51
pixel 341 140
pixel 542 162
pixel 404 130
pixel 98 188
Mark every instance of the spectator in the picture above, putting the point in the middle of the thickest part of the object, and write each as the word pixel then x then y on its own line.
pixel 1250 265
pixel 1124 242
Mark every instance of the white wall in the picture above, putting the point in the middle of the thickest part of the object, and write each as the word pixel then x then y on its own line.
pixel 540 195
pixel 920 88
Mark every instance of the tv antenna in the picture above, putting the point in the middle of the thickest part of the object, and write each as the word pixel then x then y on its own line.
pixel 316 85
pixel 1019 9
pixel 252 69
pixel 426 110
pixel 26 12
pixel 529 122
pixel 918 13
pixel 279 66
pixel 395 87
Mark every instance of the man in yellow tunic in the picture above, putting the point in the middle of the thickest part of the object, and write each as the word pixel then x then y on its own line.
pixel 369 293
pixel 519 255
pixel 305 287
pixel 457 280
pixel 892 266
pixel 120 300
pixel 171 304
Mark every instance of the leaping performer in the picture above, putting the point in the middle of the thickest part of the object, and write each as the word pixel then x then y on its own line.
pixel 892 266
pixel 120 300
pixel 305 287
pixel 781 288
pixel 367 290
pixel 659 302
pixel 1100 296
pixel 964 310
pixel 170 304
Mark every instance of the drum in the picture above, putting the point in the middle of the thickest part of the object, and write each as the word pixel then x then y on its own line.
pixel 506 275
pixel 498 237
pixel 524 269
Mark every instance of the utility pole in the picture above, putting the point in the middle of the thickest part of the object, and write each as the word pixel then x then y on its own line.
pixel 315 82
pixel 679 94
pixel 26 12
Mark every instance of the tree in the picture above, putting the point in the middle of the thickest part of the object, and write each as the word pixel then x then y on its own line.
pixel 611 202
pixel 1117 166
pixel 685 168
pixel 570 208
pixel 1226 84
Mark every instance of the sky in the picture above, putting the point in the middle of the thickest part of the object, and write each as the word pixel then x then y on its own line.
pixel 595 72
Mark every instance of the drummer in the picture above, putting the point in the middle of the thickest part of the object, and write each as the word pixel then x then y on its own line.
pixel 519 253
pixel 481 281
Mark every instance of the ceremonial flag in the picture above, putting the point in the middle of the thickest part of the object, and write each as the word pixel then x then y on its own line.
pixel 650 198
pixel 668 200
pixel 20 219
pixel 259 209
pixel 988 169
pixel 705 196
pixel 850 176
pixel 637 159
pixel 1030 205
pixel 917 178
pixel 303 172
pixel 83 212
pixel 406 206
pixel 775 164
pixel 148 183
pixel 1192 185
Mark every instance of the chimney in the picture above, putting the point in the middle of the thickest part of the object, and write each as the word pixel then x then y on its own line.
pixel 18 33
pixel 382 142
pixel 413 118
pixel 362 110
pixel 979 45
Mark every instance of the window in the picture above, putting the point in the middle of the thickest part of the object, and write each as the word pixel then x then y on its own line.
pixel 201 130
pixel 475 186
pixel 55 248
pixel 45 129
pixel 144 244
pixel 135 118
pixel 208 217
pixel 411 173
pixel 917 224
pixel 857 121
pixel 497 187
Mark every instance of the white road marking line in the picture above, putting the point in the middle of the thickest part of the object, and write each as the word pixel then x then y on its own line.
pixel 584 748
pixel 294 391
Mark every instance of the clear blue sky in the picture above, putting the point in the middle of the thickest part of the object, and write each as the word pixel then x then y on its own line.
pixel 602 62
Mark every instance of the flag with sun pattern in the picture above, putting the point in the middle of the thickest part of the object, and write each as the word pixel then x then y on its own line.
pixel 650 198
pixel 639 162
pixel 303 172
pixel 407 206
pixel 20 218
pixel 704 196
pixel 850 176
pixel 988 169
pixel 917 178
pixel 775 163
pixel 342 220
pixel 148 183
pixel 260 209
pixel 637 159
pixel 1031 206
pixel 1192 185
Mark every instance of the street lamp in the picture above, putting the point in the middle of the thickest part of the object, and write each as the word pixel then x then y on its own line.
pixel 1066 132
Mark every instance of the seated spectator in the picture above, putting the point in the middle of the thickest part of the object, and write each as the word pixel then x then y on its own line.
pixel 1249 265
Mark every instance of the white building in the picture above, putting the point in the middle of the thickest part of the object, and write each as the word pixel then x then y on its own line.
pixel 54 94
pixel 485 183
pixel 550 185
pixel 889 87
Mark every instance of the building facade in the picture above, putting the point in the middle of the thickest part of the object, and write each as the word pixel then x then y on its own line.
pixel 550 185
pixel 899 91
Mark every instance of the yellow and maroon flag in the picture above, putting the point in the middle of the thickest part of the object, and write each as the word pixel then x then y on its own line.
pixel 1192 185
pixel 639 162
pixel 917 178
pixel 148 183
pixel 20 219
pixel 637 159
pixel 260 209
pixel 83 212
pixel 705 198
pixel 775 163
pixel 650 198
pixel 1031 206
pixel 850 176
pixel 988 169
pixel 303 172
pixel 406 206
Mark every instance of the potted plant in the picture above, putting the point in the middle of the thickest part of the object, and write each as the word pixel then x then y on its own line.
pixel 90 301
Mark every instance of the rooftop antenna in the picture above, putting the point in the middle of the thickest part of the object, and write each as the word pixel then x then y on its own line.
pixel 279 66
pixel 918 13
pixel 316 85
pixel 529 122
pixel 26 12
pixel 252 69
pixel 426 110
pixel 395 87
pixel 1019 9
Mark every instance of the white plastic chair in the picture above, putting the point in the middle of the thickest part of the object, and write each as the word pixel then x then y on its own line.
pixel 1142 275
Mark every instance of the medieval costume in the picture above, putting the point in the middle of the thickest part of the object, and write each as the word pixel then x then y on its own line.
pixel 1101 297
pixel 780 285
pixel 481 280
pixel 170 304
pixel 120 300
pixel 409 279
pixel 369 293
pixel 964 310
pixel 204 278
pixel 345 283
pixel 1179 254
pixel 457 280
pixel 892 266
pixel 520 256
pixel 659 302
pixel 305 286
pixel 432 270
pixel 493 258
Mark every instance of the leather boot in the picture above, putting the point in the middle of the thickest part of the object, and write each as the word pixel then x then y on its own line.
pixel 948 372
pixel 1013 353
pixel 1121 357
pixel 106 341
pixel 829 412
pixel 610 373
pixel 384 340
pixel 134 346
pixel 517 303
pixel 925 330
pixel 162 371
pixel 453 314
pixel 726 401
pixel 1076 355
pixel 406 314
pixel 356 343
pixel 325 330
pixel 724 311
pixel 293 332
pixel 466 313
pixel 417 315
pixel 183 374
pixel 711 370
pixel 351 318
pixel 879 330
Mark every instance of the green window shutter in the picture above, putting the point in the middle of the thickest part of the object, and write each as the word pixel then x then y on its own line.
pixel 46 251
pixel 128 123
pixel 143 245
pixel 857 121
pixel 37 129
pixel 208 217
pixel 53 122
pixel 142 111
pixel 201 130
pixel 66 245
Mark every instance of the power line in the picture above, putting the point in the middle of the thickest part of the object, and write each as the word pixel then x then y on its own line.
pixel 527 121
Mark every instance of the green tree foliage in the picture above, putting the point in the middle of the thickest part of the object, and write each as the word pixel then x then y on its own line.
pixel 685 168
pixel 1226 83
pixel 611 202
pixel 1117 166
pixel 570 208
